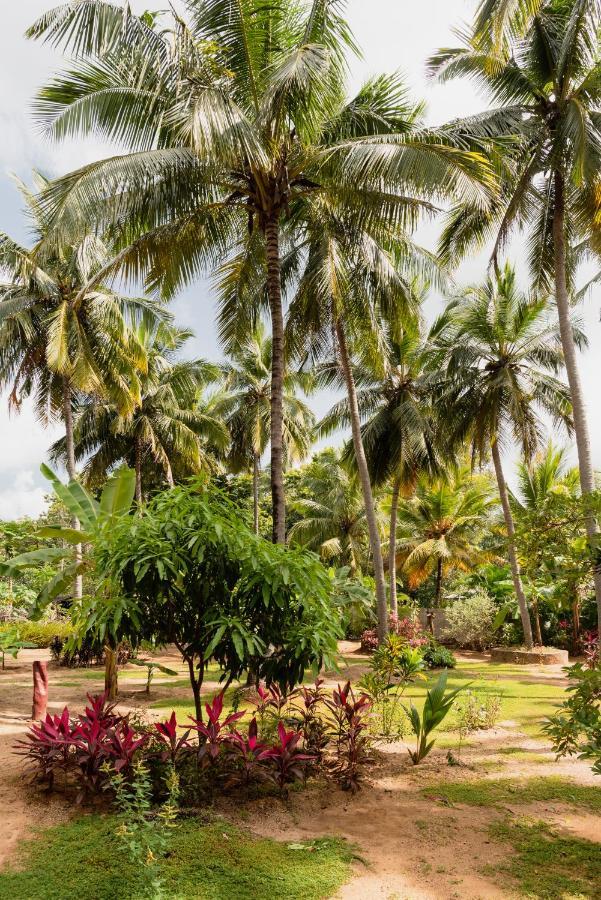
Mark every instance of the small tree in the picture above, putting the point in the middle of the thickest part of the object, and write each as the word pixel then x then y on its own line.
pixel 190 572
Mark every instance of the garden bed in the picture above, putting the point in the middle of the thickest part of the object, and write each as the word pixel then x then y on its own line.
pixel 538 656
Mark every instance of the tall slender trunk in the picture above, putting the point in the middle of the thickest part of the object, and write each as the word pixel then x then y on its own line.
pixel 111 683
pixel 583 445
pixel 138 466
pixel 394 509
pixel 513 559
pixel 536 617
pixel 70 446
pixel 256 473
pixel 438 599
pixel 368 500
pixel 274 290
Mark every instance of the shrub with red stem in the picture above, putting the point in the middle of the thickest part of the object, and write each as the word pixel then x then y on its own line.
pixel 315 731
pixel 247 755
pixel 352 747
pixel 47 747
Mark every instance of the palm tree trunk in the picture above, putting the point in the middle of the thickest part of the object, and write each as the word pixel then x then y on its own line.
pixel 394 509
pixel 438 598
pixel 513 559
pixel 274 290
pixel 581 432
pixel 368 500
pixel 138 465
pixel 537 629
pixel 70 446
pixel 256 473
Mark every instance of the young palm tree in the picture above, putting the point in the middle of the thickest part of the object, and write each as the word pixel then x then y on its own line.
pixel 237 126
pixel 174 427
pixel 539 62
pixel 333 521
pixel 399 431
pixel 443 525
pixel 247 409
pixel 504 352
pixel 58 340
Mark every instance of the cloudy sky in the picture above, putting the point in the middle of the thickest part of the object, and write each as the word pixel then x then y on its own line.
pixel 393 34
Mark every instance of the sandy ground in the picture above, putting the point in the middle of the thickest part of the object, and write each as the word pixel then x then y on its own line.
pixel 412 847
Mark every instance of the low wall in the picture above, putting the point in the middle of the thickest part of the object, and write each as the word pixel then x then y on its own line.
pixel 542 656
pixel 439 622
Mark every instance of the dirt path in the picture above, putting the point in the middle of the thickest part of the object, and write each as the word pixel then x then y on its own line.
pixel 413 847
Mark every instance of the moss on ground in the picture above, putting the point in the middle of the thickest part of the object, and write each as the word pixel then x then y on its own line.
pixel 545 865
pixel 205 862
pixel 497 792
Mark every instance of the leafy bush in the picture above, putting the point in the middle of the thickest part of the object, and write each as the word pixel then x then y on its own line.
pixel 394 665
pixel 477 711
pixel 470 622
pixel 436 656
pixel 42 634
pixel 87 651
pixel 576 729
pixel 352 742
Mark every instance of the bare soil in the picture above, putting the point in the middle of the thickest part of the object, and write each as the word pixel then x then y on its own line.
pixel 411 846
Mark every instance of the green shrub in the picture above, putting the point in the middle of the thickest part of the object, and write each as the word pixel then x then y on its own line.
pixel 477 711
pixel 41 634
pixel 438 657
pixel 470 622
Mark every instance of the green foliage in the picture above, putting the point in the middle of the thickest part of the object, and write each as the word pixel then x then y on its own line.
pixel 476 710
pixel 41 634
pixel 489 792
pixel 576 729
pixel 11 642
pixel 437 705
pixel 471 621
pixel 546 865
pixel 190 572
pixel 205 862
pixel 436 656
pixel 151 667
pixel 394 665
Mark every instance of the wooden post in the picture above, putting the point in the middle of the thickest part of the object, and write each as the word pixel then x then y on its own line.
pixel 40 690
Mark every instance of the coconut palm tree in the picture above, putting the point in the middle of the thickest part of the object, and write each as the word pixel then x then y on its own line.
pixel 333 521
pixel 237 125
pixel 504 352
pixel 60 341
pixel 399 431
pixel 174 428
pixel 441 527
pixel 539 62
pixel 247 409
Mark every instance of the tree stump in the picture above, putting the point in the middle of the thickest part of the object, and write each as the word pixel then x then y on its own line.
pixel 40 690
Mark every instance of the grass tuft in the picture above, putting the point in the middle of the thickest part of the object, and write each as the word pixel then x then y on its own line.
pixel 491 792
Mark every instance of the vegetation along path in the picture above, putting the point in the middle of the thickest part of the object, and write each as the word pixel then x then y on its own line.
pixel 504 820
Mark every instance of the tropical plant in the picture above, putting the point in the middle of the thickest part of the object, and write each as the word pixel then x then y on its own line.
pixel 539 63
pixel 504 353
pixel 332 517
pixel 167 432
pixel 239 132
pixel 394 666
pixel 437 705
pixel 151 667
pixel 399 432
pixel 247 409
pixel 11 643
pixel 442 527
pixel 471 621
pixel 60 340
pixel 190 572
pixel 576 729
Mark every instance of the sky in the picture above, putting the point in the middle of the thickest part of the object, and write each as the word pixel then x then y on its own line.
pixel 393 34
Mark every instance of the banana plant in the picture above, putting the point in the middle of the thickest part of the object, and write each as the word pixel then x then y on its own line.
pixel 94 517
pixel 438 703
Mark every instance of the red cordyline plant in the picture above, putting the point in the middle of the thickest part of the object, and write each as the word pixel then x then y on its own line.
pixel 288 761
pixel 315 730
pixel 47 747
pixel 350 714
pixel 172 745
pixel 214 732
pixel 270 699
pixel 248 756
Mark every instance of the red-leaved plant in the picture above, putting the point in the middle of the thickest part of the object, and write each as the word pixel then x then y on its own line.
pixel 350 715
pixel 47 747
pixel 287 760
pixel 215 732
pixel 247 755
pixel 172 746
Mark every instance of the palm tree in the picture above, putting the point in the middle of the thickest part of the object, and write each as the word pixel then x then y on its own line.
pixel 442 527
pixel 237 126
pixel 247 409
pixel 504 352
pixel 399 431
pixel 58 340
pixel 174 428
pixel 333 521
pixel 539 62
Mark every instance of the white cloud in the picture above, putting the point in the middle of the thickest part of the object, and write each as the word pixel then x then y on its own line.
pixel 23 498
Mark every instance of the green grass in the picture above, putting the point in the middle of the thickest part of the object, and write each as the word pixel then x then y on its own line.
pixel 547 866
pixel 490 792
pixel 209 862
